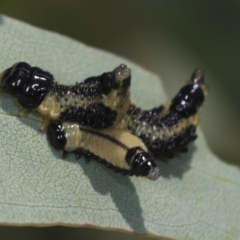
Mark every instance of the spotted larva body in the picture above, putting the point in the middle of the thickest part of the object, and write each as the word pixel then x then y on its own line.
pixel 98 102
pixel 169 128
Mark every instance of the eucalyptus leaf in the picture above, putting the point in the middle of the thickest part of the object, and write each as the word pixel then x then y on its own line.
pixel 197 196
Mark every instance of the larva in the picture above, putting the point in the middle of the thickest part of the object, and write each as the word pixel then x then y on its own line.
pixel 98 102
pixel 169 129
pixel 104 101
pixel 116 148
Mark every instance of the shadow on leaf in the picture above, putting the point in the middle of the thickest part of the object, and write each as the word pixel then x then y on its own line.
pixel 179 165
pixel 120 188
pixel 105 181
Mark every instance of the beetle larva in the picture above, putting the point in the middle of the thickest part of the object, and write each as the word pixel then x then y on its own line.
pixel 99 102
pixel 170 128
pixel 116 148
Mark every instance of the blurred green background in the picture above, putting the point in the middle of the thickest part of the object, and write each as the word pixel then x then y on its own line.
pixel 170 38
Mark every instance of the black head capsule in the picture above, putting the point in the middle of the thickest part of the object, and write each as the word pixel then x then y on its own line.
pixel 29 84
pixel 15 78
pixel 34 92
pixel 190 97
pixel 56 135
pixel 142 163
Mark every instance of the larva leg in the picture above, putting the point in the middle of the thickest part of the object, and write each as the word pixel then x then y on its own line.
pixel 87 157
pixel 44 124
pixel 22 111
pixel 78 153
pixel 64 154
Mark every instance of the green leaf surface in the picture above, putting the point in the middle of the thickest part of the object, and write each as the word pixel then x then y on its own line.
pixel 197 196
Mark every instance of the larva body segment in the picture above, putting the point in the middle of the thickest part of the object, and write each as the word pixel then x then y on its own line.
pixel 169 129
pixel 98 102
pixel 116 148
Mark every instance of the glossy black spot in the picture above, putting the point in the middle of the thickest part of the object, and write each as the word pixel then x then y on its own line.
pixel 107 82
pixel 102 84
pixel 56 135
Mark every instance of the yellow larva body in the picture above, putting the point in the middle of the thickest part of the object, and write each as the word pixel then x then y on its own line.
pixel 99 144
pixel 117 148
